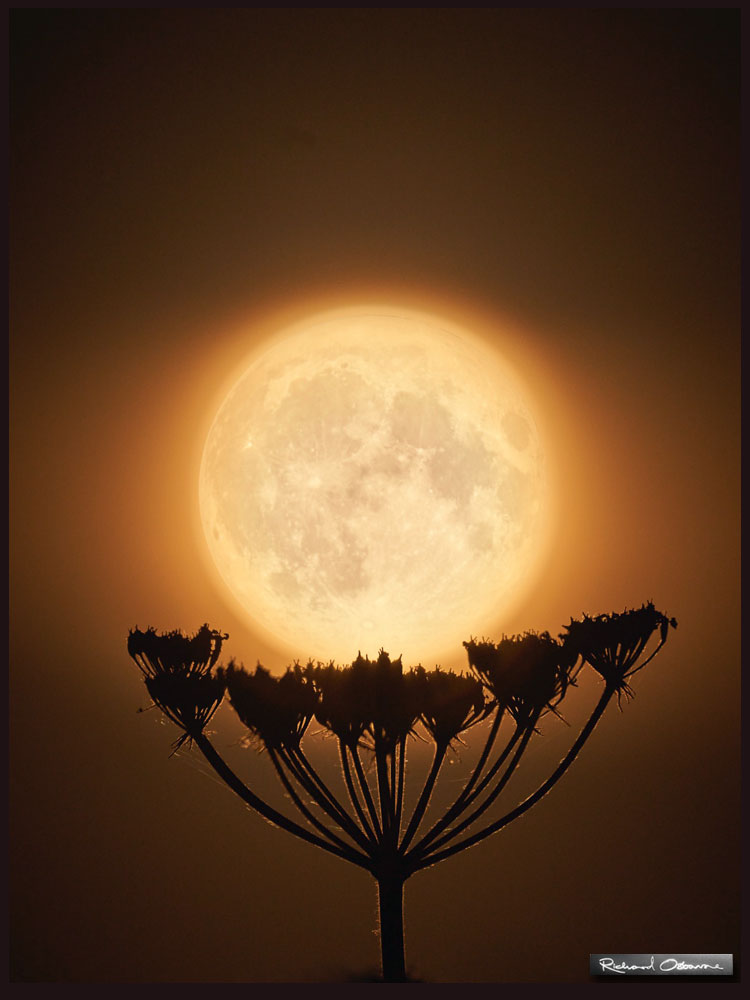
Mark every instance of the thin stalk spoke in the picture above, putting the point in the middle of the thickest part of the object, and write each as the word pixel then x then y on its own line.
pixel 339 813
pixel 484 756
pixel 268 812
pixel 496 766
pixel 386 811
pixel 647 660
pixel 492 796
pixel 301 805
pixel 459 807
pixel 424 798
pixel 400 784
pixel 342 819
pixel 354 798
pixel 520 809
pixel 365 786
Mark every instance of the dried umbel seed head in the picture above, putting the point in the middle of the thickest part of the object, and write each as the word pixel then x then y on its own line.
pixel 276 710
pixel 395 700
pixel 174 652
pixel 451 703
pixel 373 702
pixel 344 706
pixel 614 644
pixel 177 671
pixel 188 700
pixel 526 674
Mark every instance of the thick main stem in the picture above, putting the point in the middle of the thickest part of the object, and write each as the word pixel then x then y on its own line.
pixel 391 908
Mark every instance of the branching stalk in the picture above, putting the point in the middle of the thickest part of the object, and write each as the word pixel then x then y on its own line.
pixel 365 786
pixel 484 756
pixel 326 802
pixel 492 796
pixel 268 812
pixel 463 802
pixel 338 812
pixel 353 796
pixel 424 798
pixel 565 763
pixel 300 804
pixel 384 792
pixel 400 785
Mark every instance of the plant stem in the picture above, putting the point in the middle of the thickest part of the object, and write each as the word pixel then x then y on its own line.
pixel 354 798
pixel 364 785
pixel 532 799
pixel 304 772
pixel 268 812
pixel 391 908
pixel 400 785
pixel 424 798
pixel 384 792
pixel 501 783
pixel 466 798
pixel 499 712
pixel 300 804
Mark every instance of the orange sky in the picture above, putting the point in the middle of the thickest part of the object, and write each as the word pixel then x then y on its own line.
pixel 185 182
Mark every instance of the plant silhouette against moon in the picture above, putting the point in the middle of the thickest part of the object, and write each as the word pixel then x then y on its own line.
pixel 374 708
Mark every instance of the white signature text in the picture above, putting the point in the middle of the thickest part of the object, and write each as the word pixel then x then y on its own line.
pixel 666 965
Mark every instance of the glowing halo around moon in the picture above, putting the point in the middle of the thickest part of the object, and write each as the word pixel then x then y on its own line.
pixel 374 478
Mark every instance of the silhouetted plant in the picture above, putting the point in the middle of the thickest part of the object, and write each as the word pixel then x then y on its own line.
pixel 373 708
pixel 177 671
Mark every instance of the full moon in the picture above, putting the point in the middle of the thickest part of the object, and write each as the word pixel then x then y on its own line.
pixel 374 478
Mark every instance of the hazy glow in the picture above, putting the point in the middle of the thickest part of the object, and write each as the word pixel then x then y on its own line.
pixel 375 477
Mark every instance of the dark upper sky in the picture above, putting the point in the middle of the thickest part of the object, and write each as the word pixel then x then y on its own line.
pixel 184 181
